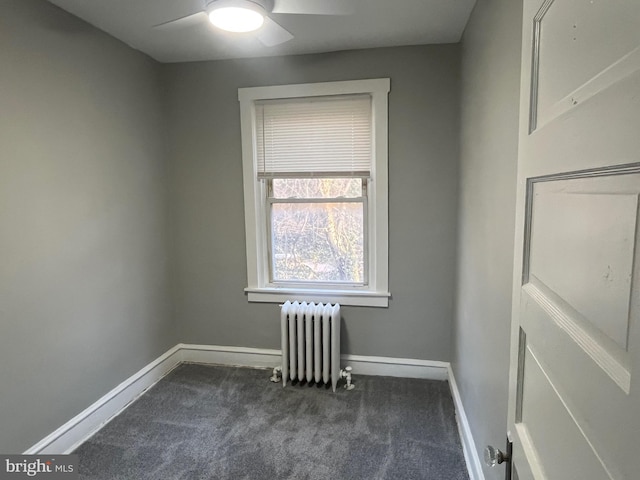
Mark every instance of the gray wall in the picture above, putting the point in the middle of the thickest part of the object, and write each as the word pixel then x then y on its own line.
pixel 208 213
pixel 83 269
pixel 488 160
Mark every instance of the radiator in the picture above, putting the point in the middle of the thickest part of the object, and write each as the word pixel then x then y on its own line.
pixel 311 344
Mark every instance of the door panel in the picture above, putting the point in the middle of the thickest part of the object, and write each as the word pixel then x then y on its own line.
pixel 574 406
pixel 543 405
pixel 582 249
pixel 576 56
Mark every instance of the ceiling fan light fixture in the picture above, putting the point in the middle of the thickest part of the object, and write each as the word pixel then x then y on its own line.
pixel 236 16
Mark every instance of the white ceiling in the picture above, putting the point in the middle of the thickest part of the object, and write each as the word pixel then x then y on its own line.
pixel 375 23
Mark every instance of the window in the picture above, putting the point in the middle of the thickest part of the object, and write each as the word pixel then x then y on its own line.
pixel 315 186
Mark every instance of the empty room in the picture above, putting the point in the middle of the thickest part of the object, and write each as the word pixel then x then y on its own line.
pixel 320 239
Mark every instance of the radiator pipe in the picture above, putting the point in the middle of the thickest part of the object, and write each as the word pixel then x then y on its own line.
pixel 346 373
pixel 277 375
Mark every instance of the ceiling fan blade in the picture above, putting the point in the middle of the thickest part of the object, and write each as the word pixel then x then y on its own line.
pixel 314 7
pixel 272 34
pixel 186 21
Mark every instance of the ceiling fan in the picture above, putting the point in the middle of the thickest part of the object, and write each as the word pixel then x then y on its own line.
pixel 253 16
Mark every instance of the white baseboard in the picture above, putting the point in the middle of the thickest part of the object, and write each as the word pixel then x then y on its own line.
pixel 396 367
pixel 70 435
pixel 468 444
pixel 362 365
pixel 230 356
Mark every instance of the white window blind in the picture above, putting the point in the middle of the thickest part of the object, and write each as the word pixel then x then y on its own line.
pixel 314 137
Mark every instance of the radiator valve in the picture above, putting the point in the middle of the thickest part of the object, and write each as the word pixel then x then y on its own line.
pixel 346 373
pixel 277 375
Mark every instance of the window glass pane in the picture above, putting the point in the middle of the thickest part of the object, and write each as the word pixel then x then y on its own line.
pixel 317 187
pixel 321 242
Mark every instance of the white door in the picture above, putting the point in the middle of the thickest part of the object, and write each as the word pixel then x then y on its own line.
pixel 574 402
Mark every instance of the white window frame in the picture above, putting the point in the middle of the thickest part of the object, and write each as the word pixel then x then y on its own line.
pixel 259 289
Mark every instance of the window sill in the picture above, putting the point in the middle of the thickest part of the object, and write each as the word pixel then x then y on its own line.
pixel 343 297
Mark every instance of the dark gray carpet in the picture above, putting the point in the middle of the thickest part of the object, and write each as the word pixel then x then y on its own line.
pixel 209 422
